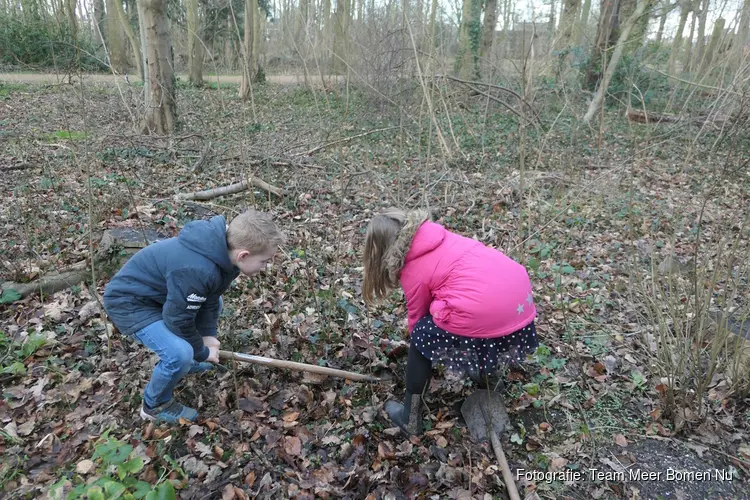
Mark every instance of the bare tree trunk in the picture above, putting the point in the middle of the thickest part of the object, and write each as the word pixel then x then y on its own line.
pixel 488 31
pixel 713 46
pixel 160 103
pixel 742 34
pixel 131 37
pixel 339 37
pixel 257 41
pixel 567 23
pixel 607 22
pixel 249 69
pixel 70 9
pixel 115 37
pixel 228 44
pixel 582 24
pixel 100 26
pixel 701 42
pixel 688 66
pixel 467 59
pixel 627 27
pixel 677 43
pixel 195 49
pixel 662 21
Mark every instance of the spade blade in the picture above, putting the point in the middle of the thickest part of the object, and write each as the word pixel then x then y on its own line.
pixel 482 409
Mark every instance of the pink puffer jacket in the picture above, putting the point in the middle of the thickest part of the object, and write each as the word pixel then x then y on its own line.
pixel 469 289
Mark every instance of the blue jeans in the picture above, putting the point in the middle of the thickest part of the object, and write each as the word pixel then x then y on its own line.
pixel 175 359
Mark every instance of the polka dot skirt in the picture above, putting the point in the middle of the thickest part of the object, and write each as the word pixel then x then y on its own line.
pixel 473 356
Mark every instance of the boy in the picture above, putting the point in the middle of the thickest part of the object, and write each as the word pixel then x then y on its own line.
pixel 168 297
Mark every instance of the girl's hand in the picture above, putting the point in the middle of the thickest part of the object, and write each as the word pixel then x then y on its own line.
pixel 211 342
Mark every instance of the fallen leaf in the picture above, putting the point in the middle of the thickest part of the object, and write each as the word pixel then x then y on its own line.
pixel 228 493
pixel 203 449
pixel 545 426
pixel 293 446
pixel 331 440
pixel 90 309
pixel 84 466
pixel 441 441
pixel 26 428
pixel 558 463
pixel 620 440
pixel 700 450
pixel 250 479
pixel 195 429
pixel 250 405
pixel 385 451
pixel 290 417
pixel 359 440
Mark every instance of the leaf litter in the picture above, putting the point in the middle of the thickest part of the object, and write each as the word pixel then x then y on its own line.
pixel 269 434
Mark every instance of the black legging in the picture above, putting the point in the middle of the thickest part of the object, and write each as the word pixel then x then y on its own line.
pixel 418 371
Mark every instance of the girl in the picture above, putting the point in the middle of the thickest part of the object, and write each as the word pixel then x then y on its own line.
pixel 469 306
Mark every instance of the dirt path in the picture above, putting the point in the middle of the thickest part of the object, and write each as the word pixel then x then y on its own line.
pixel 51 78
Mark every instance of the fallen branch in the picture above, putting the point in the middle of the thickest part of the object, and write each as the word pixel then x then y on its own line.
pixel 638 116
pixel 210 194
pixel 490 85
pixel 129 239
pixel 345 139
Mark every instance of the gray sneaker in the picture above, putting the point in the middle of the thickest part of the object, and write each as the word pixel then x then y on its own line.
pixel 170 412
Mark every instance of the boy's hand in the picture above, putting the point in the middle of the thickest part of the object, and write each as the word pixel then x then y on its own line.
pixel 211 342
pixel 213 355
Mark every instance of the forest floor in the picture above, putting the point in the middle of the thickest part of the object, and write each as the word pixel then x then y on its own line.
pixel 591 221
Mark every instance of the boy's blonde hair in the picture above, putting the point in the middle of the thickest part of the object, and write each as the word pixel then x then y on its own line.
pixel 255 232
pixel 381 235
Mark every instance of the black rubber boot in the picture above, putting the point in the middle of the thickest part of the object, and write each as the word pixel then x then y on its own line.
pixel 408 415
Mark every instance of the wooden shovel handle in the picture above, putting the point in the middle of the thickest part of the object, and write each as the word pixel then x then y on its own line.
pixel 293 365
pixel 510 483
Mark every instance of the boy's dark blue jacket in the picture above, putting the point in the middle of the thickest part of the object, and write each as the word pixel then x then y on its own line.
pixel 179 280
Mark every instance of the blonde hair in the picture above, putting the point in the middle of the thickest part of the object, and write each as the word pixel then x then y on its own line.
pixel 382 232
pixel 255 232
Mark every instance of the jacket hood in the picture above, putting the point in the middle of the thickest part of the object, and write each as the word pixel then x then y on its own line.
pixel 208 238
pixel 405 243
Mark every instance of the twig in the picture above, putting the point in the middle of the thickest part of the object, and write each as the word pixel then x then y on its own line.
pixel 345 139
pixel 490 85
pixel 695 84
pixel 198 165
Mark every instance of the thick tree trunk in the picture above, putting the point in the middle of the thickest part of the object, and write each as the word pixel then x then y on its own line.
pixel 662 21
pixel 160 103
pixel 99 24
pixel 339 38
pixel 467 59
pixel 689 63
pixel 195 49
pixel 713 46
pixel 132 38
pixel 248 49
pixel 70 10
pixel 608 13
pixel 567 22
pixel 582 24
pixel 677 43
pixel 742 35
pixel 627 27
pixel 115 38
pixel 488 30
pixel 700 44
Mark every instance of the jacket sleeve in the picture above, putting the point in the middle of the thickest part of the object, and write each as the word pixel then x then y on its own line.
pixel 187 290
pixel 207 319
pixel 418 300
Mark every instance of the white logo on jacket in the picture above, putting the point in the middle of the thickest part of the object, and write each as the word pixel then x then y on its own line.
pixel 195 298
